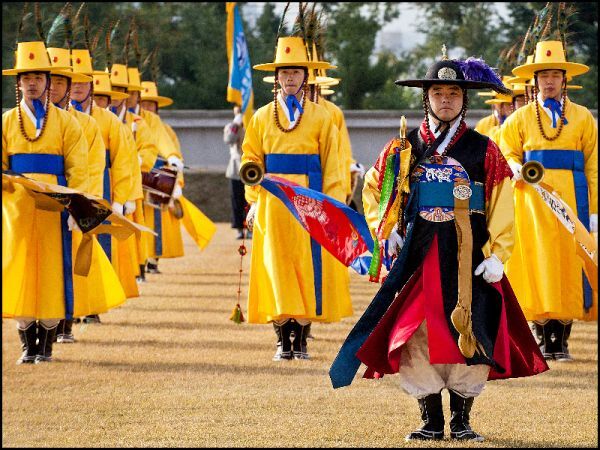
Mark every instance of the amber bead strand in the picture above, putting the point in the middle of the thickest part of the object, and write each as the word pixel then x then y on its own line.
pixel 21 125
pixel 276 112
pixel 562 116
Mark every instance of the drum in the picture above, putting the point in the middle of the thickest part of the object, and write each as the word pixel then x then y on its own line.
pixel 158 185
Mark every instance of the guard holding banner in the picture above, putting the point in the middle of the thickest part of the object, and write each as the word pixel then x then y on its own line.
pixel 544 269
pixel 292 280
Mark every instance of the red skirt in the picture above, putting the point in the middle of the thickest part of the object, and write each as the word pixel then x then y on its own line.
pixel 515 349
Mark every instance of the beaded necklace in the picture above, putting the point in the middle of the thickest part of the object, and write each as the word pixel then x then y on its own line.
pixel 21 125
pixel 562 114
pixel 276 112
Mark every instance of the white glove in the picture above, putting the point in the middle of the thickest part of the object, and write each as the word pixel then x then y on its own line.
pixel 129 207
pixel 395 242
pixel 492 269
pixel 177 191
pixel 72 225
pixel 250 216
pixel 593 223
pixel 516 169
pixel 175 161
pixel 359 168
pixel 117 207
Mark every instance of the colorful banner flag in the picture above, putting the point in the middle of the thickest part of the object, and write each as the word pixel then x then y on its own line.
pixel 335 226
pixel 239 87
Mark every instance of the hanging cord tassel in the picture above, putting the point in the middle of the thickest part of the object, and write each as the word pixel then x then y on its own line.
pixel 236 314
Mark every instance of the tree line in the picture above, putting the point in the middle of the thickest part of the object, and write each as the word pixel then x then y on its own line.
pixel 193 62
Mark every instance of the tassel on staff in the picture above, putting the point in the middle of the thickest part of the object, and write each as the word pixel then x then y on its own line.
pixel 236 314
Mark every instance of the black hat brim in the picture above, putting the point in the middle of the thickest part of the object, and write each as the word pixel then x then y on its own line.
pixel 465 84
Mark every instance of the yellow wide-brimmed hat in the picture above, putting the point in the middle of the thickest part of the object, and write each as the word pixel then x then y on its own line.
pixel 135 81
pixel 59 57
pixel 32 57
pixel 119 76
pixel 102 86
pixel 81 61
pixel 291 52
pixel 531 82
pixel 150 93
pixel 549 55
pixel 325 92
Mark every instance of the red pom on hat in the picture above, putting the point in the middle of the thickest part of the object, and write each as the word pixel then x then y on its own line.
pixel 31 55
pixel 287 49
pixel 548 53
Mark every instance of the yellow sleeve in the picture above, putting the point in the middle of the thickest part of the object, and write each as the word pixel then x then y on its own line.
pixel 511 139
pixel 122 153
pixel 96 157
pixel 145 141
pixel 174 138
pixel 333 175
pixel 370 198
pixel 252 151
pixel 166 145
pixel 499 206
pixel 346 149
pixel 136 191
pixel 75 154
pixel 590 154
pixel 4 143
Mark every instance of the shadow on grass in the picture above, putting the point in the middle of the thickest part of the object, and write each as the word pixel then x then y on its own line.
pixel 284 368
pixel 226 325
pixel 187 345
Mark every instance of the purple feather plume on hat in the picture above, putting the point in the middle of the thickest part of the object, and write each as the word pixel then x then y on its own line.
pixel 475 69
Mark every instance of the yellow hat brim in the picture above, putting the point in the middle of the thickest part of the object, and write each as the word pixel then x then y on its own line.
pixel 487 94
pixel 159 99
pixel 112 94
pixel 529 70
pixel 32 69
pixel 75 77
pixel 270 67
pixel 327 91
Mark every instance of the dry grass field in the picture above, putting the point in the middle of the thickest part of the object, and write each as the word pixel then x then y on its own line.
pixel 169 369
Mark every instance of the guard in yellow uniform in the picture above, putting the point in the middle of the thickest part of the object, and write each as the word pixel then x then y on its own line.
pixel 100 290
pixel 544 268
pixel 147 151
pixel 45 143
pixel 168 243
pixel 292 280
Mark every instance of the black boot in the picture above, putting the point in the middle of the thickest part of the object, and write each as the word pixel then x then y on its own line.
pixel 46 338
pixel 64 332
pixel 284 344
pixel 562 331
pixel 142 276
pixel 153 268
pixel 545 335
pixel 432 416
pixel 299 347
pixel 460 408
pixel 28 344
pixel 93 318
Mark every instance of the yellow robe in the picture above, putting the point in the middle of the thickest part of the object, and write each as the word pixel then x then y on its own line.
pixel 346 159
pixel 101 289
pixel 170 226
pixel 485 124
pixel 281 272
pixel 122 155
pixel 145 144
pixel 32 262
pixel 544 270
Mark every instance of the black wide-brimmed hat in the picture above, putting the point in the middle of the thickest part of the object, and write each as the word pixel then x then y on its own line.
pixel 473 73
